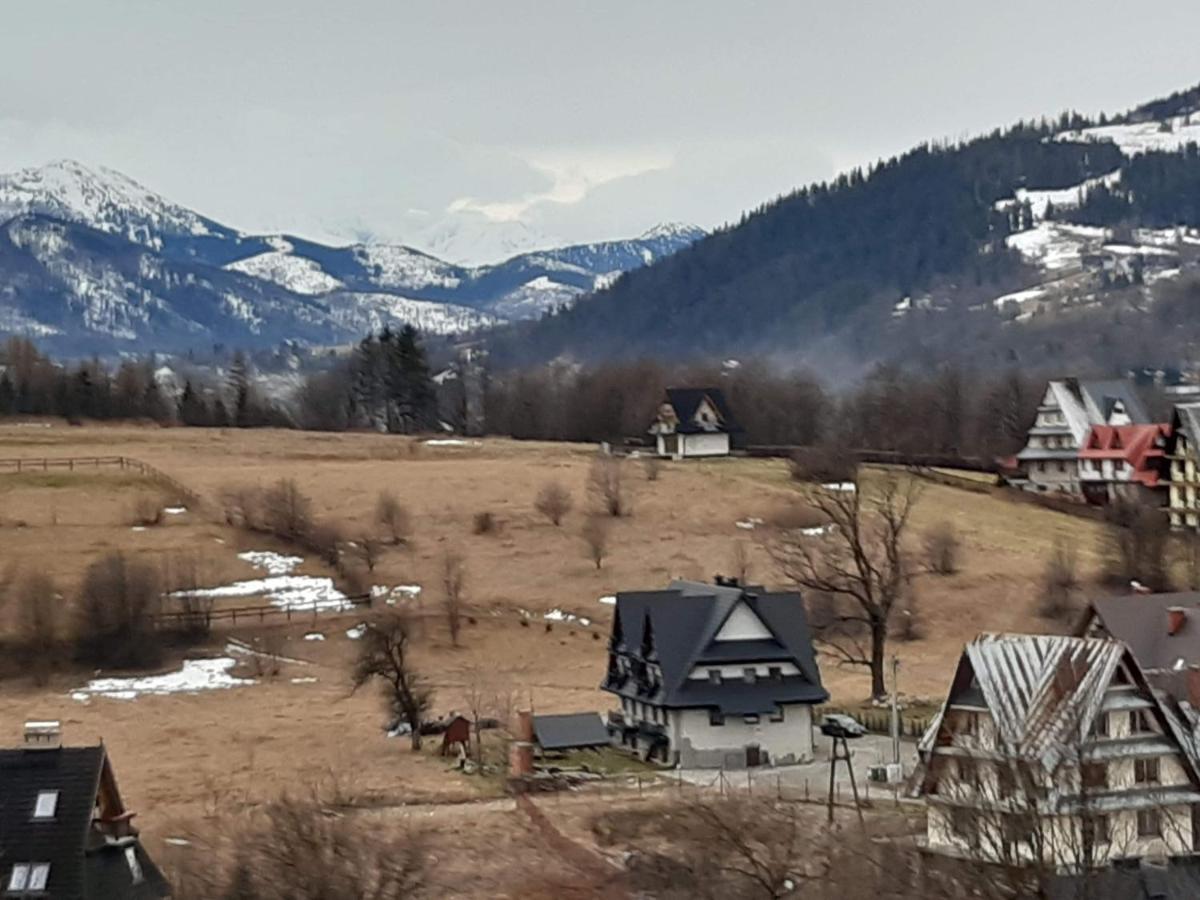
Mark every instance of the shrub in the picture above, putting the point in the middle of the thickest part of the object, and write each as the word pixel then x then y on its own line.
pixel 823 464
pixel 795 516
pixel 554 502
pixel 484 523
pixel 325 539
pixel 1060 581
pixel 392 517
pixel 653 467
pixel 39 610
pixel 1134 546
pixel 114 618
pixel 942 549
pixel 287 511
pixel 595 536
pixel 606 481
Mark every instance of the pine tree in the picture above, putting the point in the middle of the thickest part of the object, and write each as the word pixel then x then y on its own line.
pixel 239 386
pixel 192 408
pixel 8 395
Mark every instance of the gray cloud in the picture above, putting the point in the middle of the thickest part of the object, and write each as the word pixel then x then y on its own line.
pixel 581 120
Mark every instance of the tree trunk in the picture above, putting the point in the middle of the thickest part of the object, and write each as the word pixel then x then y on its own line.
pixel 878 647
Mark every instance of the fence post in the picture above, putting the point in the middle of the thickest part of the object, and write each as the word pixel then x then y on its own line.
pixel 778 787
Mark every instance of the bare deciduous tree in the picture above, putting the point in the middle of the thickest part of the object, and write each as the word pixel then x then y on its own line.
pixel 606 482
pixel 114 617
pixel 1060 581
pixel 1134 546
pixel 368 549
pixel 860 563
pixel 40 611
pixel 554 502
pixel 454 580
pixel 942 549
pixel 287 511
pixel 384 655
pixel 740 562
pixel 595 536
pixel 392 517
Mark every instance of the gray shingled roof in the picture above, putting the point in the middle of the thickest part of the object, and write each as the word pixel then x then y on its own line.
pixel 570 731
pixel 1140 621
pixel 685 402
pixel 683 621
pixel 80 867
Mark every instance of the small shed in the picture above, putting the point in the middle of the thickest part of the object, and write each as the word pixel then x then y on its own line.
pixel 572 731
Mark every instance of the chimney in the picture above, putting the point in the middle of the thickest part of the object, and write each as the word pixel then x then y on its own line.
pixel 1176 619
pixel 43 735
pixel 1193 686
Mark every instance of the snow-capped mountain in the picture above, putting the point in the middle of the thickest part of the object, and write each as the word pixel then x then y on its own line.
pixel 91 261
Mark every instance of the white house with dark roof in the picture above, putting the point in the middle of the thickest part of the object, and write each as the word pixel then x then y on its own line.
pixel 1056 751
pixel 694 422
pixel 1065 416
pixel 713 675
pixel 1183 453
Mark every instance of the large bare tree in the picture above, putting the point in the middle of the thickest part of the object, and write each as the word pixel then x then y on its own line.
pixel 859 563
pixel 385 655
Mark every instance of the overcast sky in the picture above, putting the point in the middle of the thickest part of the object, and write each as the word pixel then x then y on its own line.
pixel 579 120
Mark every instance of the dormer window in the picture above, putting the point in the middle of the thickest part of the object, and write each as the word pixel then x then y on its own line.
pixel 46 804
pixel 775 673
pixel 714 675
pixel 749 675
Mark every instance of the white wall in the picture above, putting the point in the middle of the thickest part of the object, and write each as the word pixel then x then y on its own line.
pixel 703 744
pixel 704 444
pixel 737 671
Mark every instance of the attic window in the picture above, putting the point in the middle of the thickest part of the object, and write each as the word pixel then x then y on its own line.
pixel 750 674
pixel 47 803
pixel 135 867
pixel 714 675
pixel 28 877
pixel 775 673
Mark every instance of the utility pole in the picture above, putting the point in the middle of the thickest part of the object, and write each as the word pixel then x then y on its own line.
pixel 895 710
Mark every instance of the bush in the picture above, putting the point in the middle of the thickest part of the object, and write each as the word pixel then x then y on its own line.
pixel 606 481
pixel 325 539
pixel 823 464
pixel 653 466
pixel 484 523
pixel 114 618
pixel 1060 581
pixel 554 502
pixel 796 516
pixel 595 536
pixel 393 517
pixel 147 510
pixel 40 613
pixel 287 511
pixel 942 549
pixel 910 624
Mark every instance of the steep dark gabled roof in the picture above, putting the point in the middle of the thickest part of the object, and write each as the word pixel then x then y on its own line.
pixel 687 617
pixel 1140 621
pixel 81 867
pixel 685 402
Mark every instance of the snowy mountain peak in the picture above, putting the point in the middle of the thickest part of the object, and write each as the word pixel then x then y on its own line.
pixel 99 197
pixel 673 230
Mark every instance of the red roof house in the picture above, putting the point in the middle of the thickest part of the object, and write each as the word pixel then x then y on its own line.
pixel 1124 462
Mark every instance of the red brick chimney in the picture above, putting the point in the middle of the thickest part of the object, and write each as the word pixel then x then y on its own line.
pixel 1176 619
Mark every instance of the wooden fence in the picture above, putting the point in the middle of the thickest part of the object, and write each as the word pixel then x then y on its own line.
pixel 182 619
pixel 18 465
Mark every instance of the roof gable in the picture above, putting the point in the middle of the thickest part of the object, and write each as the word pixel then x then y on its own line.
pixel 688 404
pixel 743 625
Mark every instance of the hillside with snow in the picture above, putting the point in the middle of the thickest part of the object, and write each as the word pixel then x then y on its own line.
pixel 1036 245
pixel 93 262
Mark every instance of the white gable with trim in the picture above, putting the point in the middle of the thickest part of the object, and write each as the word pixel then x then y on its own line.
pixel 743 625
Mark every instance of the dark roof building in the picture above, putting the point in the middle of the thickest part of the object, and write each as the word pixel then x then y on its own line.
pixel 64 831
pixel 705 672
pixel 570 731
pixel 694 422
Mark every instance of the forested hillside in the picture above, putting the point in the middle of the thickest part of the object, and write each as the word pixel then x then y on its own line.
pixel 1025 246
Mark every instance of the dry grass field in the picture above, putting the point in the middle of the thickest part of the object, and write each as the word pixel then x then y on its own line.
pixel 181 755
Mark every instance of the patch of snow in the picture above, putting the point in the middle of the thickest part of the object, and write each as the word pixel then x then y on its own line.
pixel 296 273
pixel 1142 137
pixel 1156 275
pixel 270 562
pixel 1137 250
pixel 304 680
pixel 177 842
pixel 848 486
pixel 1020 297
pixel 818 531
pixel 451 442
pixel 749 524
pixel 195 675
pixel 1062 198
pixel 314 636
pixel 175 510
pixel 356 632
pixel 558 615
pixel 1054 246
pixel 394 595
pixel 299 592
pixel 609 600
pixel 138 528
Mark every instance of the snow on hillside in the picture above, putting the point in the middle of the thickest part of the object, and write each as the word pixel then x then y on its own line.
pixel 1142 137
pixel 535 297
pixel 1054 246
pixel 471 239
pixel 370 312
pixel 101 198
pixel 296 273
pixel 400 267
pixel 1061 198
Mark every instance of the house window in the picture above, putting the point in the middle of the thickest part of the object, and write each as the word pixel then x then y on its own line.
pixel 749 674
pixel 715 717
pixel 1119 465
pixel 1139 722
pixel 777 716
pixel 970 725
pixel 714 675
pixel 28 877
pixel 1100 726
pixel 135 867
pixel 1062 466
pixel 1095 776
pixel 1148 824
pixel 1095 830
pixel 47 803
pixel 775 673
pixel 750 718
pixel 1006 781
pixel 1145 771
pixel 968 773
pixel 964 825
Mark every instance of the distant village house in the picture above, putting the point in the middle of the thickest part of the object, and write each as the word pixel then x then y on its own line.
pixel 694 422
